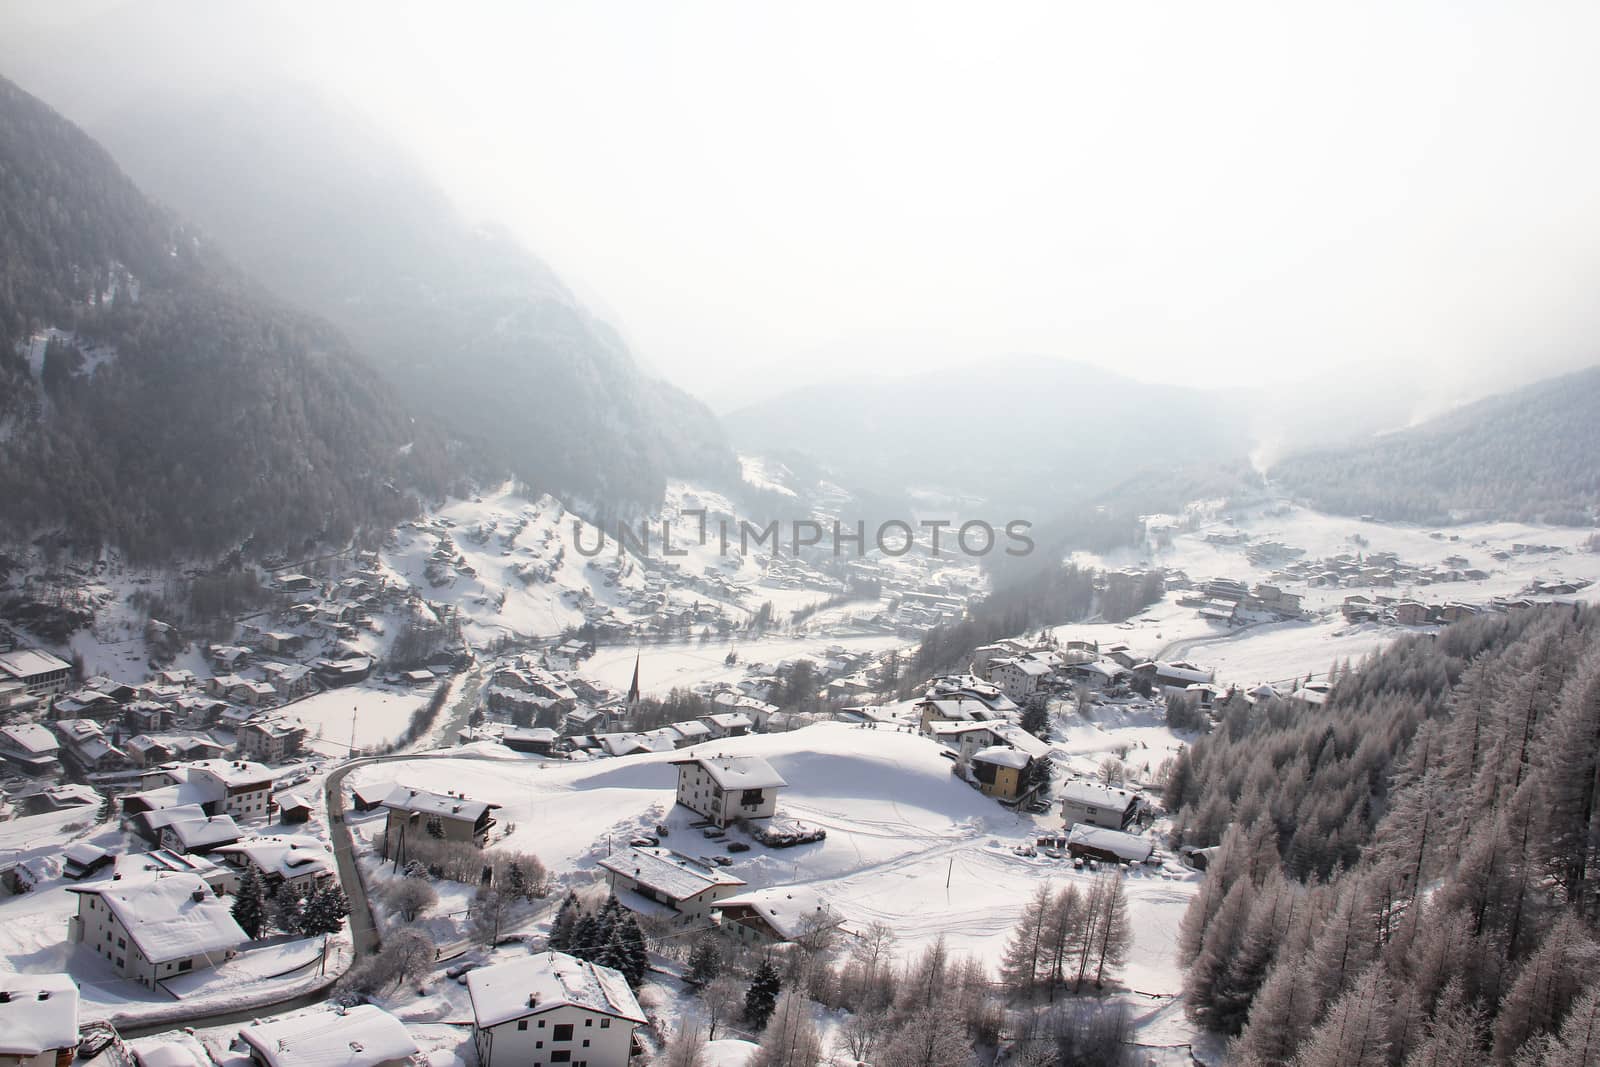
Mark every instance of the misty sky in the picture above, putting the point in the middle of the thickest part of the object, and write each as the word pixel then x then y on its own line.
pixel 1223 194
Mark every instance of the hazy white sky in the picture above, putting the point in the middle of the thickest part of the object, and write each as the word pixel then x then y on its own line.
pixel 1203 193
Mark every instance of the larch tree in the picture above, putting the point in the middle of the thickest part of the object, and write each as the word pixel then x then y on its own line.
pixel 1356 1030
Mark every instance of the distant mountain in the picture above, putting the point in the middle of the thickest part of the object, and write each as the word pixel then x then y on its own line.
pixel 467 324
pixel 1029 433
pixel 1531 454
pixel 151 396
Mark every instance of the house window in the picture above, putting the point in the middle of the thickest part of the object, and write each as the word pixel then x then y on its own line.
pixel 605 1024
pixel 186 965
pixel 561 1057
pixel 563 1032
pixel 588 1022
pixel 121 943
pixel 522 1024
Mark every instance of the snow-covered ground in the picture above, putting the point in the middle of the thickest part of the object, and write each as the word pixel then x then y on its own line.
pixel 908 843
pixel 380 713
pixel 688 664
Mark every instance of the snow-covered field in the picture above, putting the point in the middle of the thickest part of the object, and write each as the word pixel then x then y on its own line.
pixel 908 843
pixel 380 715
pixel 670 666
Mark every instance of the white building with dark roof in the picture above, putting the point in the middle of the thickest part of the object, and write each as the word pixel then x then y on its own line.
pixel 667 884
pixel 551 1008
pixel 725 788
pixel 155 927
pixel 38 1020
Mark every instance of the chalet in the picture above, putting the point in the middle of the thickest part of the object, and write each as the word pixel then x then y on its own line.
pixel 146 751
pixel 362 1036
pixel 149 716
pixel 294 583
pixel 228 657
pixel 30 748
pixel 551 1008
pixel 1411 613
pixel 968 687
pixel 271 738
pixel 1455 612
pixel 454 816
pixel 155 927
pixel 180 677
pixel 15 698
pixel 298 859
pixel 1357 608
pixel 660 882
pixel 38 1020
pixel 728 724
pixel 1111 846
pixel 962 738
pixel 199 834
pixel 282 642
pixel 1018 678
pixel 238 788
pixel 86 704
pixel 1083 801
pixel 370 797
pixel 293 808
pixel 290 680
pixel 954 709
pixel 691 732
pixel 1001 771
pixel 1174 677
pixel 726 788
pixel 774 916
pixel 337 672
pixel 41 673
pixel 535 740
pixel 81 859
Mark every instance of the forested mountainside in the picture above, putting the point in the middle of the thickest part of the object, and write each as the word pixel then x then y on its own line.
pixel 150 397
pixel 465 322
pixel 1528 454
pixel 1028 433
pixel 1411 873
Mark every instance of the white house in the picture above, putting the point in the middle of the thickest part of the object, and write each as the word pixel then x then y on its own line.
pixel 155 927
pixel 658 881
pixel 30 748
pixel 411 811
pixel 1018 678
pixel 1083 801
pixel 725 788
pixel 363 1036
pixel 38 1020
pixel 552 1009
pixel 771 916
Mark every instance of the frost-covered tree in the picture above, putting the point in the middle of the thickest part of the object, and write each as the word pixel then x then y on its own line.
pixel 790 1038
pixel 928 1037
pixel 1356 1030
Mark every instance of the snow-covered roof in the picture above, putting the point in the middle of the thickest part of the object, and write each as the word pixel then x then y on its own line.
pixel 737 772
pixel 956 727
pixel 1031 667
pixel 169 916
pixel 1094 795
pixel 1124 846
pixel 960 708
pixel 1018 738
pixel 730 720
pixel 205 831
pixel 1186 672
pixel 27 662
pixel 285 855
pixel 233 772
pixel 693 728
pixel 1002 756
pixel 161 860
pixel 363 1036
pixel 789 909
pixel 667 872
pixel 38 1013
pixel 408 798
pixel 31 737
pixel 523 987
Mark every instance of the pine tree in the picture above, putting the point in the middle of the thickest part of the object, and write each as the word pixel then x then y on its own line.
pixel 1115 933
pixel 1221 946
pixel 705 961
pixel 1454 1036
pixel 1355 1032
pixel 250 904
pixel 564 926
pixel 325 910
pixel 1023 966
pixel 1578 1044
pixel 1546 986
pixel 762 996
pixel 625 951
pixel 1570 780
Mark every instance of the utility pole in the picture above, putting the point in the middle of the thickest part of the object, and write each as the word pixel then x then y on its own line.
pixel 354 708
